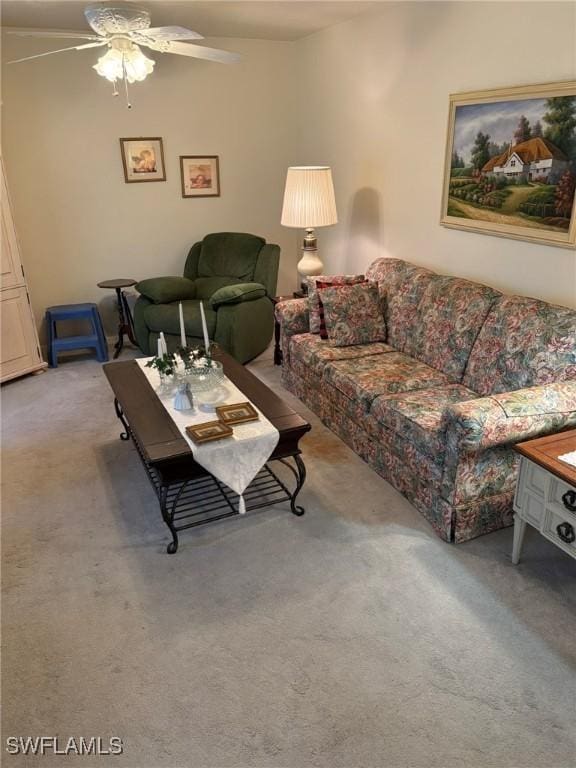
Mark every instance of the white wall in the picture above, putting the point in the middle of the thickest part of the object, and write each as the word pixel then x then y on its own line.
pixel 78 221
pixel 368 96
pixel 376 95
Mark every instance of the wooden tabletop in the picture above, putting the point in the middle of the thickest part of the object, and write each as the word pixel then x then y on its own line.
pixel 121 282
pixel 157 433
pixel 545 451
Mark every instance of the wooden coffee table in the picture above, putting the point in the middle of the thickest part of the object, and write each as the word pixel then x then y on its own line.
pixel 187 493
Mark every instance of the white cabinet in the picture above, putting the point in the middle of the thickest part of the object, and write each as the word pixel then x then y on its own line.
pixel 19 346
pixel 547 503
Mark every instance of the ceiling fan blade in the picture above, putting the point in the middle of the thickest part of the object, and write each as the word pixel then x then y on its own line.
pixel 51 34
pixel 170 33
pixel 195 51
pixel 60 50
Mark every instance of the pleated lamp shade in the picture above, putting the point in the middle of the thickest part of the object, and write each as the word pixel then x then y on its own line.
pixel 309 198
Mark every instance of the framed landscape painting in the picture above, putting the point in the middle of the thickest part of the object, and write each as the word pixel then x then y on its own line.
pixel 143 159
pixel 510 166
pixel 200 175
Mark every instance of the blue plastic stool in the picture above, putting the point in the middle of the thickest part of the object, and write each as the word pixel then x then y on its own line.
pixel 95 340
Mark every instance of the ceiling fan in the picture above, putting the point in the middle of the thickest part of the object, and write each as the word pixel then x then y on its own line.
pixel 123 29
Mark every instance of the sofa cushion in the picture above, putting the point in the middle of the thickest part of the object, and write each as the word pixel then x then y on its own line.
pixel 310 350
pixel 163 290
pixel 402 285
pixel 366 378
pixel 313 305
pixel 417 416
pixel 230 254
pixel 450 315
pixel 353 314
pixel 523 343
pixel 165 317
pixel 320 284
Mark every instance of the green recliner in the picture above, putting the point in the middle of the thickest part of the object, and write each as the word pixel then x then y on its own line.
pixel 234 275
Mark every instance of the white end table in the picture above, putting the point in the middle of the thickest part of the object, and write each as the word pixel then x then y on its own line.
pixel 546 492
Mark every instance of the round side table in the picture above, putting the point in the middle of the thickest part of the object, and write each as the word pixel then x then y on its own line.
pixel 125 322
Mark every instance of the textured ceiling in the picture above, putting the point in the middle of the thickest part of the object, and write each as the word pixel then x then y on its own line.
pixel 285 20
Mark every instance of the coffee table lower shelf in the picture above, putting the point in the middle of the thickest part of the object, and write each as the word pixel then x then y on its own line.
pixel 189 501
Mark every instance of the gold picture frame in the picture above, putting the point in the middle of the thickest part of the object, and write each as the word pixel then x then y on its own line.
pixel 510 164
pixel 237 413
pixel 143 159
pixel 200 175
pixel 208 431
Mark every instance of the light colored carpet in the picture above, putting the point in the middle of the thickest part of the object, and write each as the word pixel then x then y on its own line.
pixel 351 637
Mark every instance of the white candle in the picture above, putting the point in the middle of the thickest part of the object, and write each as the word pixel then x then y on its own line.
pixel 204 329
pixel 182 333
pixel 164 345
pixel 160 351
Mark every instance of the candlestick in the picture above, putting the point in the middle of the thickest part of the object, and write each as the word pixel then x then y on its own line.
pixel 164 345
pixel 182 333
pixel 205 331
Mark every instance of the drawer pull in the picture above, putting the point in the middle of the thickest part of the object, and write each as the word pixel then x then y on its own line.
pixel 569 499
pixel 566 532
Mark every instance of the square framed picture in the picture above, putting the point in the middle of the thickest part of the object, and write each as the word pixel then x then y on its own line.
pixel 143 159
pixel 510 167
pixel 209 431
pixel 238 413
pixel 200 175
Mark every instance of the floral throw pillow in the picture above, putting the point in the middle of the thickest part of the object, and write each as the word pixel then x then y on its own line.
pixel 313 306
pixel 319 285
pixel 353 314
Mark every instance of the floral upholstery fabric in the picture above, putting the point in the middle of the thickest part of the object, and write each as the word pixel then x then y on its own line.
pixel 447 446
pixel 402 286
pixel 309 349
pixel 293 316
pixel 366 378
pixel 512 416
pixel 417 416
pixel 353 314
pixel 451 314
pixel 313 306
pixel 468 477
pixel 524 342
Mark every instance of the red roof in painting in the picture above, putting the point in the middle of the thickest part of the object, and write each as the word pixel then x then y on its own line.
pixel 530 151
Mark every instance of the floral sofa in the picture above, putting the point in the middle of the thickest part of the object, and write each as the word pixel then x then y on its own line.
pixel 465 373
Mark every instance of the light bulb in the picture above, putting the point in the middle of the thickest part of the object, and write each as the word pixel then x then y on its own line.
pixel 137 66
pixel 110 65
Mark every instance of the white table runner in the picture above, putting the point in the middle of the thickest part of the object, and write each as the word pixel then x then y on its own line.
pixel 234 460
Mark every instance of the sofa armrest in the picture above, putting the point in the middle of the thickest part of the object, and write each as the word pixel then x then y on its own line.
pixel 236 294
pixel 293 317
pixel 164 290
pixel 510 417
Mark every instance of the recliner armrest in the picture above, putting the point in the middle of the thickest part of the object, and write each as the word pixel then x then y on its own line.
pixel 236 294
pixel 163 290
pixel 510 417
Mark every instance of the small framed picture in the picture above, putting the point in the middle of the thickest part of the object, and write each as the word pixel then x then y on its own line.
pixel 210 430
pixel 143 159
pixel 238 413
pixel 200 175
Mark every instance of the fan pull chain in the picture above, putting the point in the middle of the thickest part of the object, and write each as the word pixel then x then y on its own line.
pixel 115 89
pixel 129 106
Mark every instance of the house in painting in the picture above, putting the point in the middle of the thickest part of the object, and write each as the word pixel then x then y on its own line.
pixel 536 159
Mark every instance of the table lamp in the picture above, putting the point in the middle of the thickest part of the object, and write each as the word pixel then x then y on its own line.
pixel 309 203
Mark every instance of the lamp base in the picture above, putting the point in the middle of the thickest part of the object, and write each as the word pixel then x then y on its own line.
pixel 310 263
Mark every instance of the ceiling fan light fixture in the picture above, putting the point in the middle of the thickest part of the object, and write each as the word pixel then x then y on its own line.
pixel 124 61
